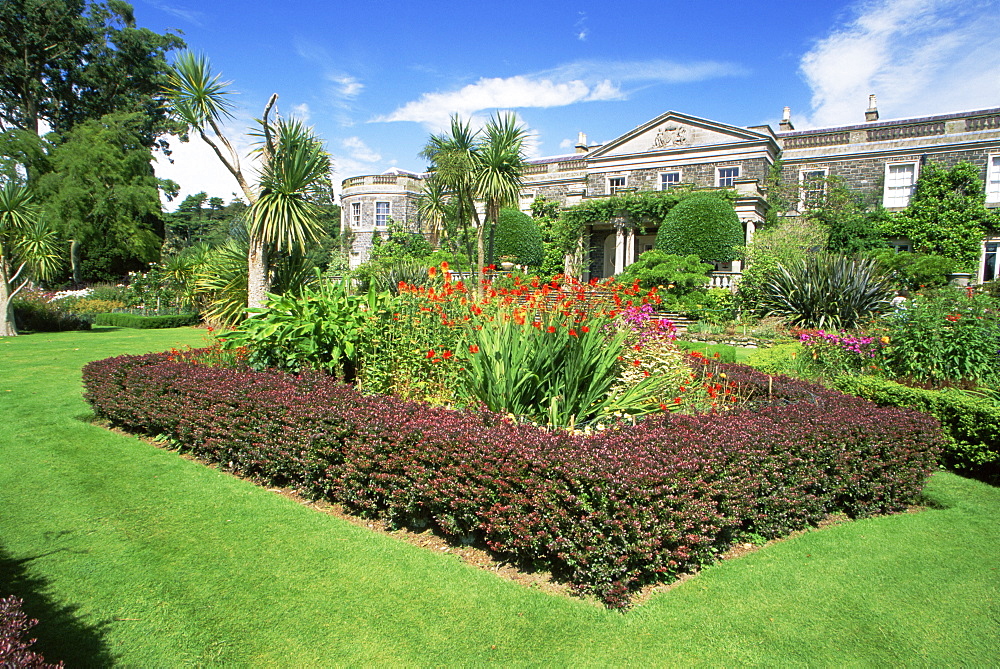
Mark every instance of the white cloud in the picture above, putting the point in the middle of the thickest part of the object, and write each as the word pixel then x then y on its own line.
pixel 583 81
pixel 347 86
pixel 581 27
pixel 567 144
pixel 302 112
pixel 196 167
pixel 917 56
pixel 360 151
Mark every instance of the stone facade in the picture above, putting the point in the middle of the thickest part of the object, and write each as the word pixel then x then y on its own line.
pixel 709 154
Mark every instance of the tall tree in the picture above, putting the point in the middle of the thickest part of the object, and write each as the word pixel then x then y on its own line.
pixel 293 166
pixel 100 191
pixel 66 61
pixel 28 249
pixel 453 161
pixel 483 166
pixel 499 164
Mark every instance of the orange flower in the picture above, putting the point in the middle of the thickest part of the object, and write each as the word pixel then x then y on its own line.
pixel 431 271
pixel 585 329
pixel 473 349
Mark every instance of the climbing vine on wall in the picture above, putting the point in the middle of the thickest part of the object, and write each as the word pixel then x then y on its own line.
pixel 640 209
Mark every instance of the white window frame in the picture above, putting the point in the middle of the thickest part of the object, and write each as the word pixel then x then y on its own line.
pixel 663 185
pixel 993 242
pixel 731 179
pixel 993 179
pixel 804 192
pixel 386 217
pixel 896 196
pixel 613 190
pixel 355 214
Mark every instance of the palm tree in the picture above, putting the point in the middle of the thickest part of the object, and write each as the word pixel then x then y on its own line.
pixel 453 161
pixel 432 205
pixel 282 215
pixel 499 161
pixel 28 249
pixel 476 166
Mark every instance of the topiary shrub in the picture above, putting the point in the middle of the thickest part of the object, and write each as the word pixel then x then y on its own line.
pixel 680 274
pixel 703 225
pixel 517 236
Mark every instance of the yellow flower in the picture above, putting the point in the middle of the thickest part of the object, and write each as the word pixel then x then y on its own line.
pixel 885 340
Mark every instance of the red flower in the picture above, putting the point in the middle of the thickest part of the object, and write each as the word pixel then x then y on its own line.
pixel 551 329
pixel 430 353
pixel 572 332
pixel 473 349
pixel 447 354
pixel 584 329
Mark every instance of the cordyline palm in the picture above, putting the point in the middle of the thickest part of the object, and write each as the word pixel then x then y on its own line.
pixel 432 206
pixel 293 165
pixel 499 166
pixel 28 249
pixel 452 155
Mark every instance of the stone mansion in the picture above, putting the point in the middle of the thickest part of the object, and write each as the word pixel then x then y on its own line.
pixel 676 148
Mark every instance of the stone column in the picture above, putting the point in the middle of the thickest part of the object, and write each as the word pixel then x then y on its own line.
pixel 619 248
pixel 629 246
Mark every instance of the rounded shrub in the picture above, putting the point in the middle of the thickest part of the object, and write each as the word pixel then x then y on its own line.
pixel 517 236
pixel 703 225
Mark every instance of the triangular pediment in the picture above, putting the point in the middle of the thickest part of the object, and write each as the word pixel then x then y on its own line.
pixel 674 131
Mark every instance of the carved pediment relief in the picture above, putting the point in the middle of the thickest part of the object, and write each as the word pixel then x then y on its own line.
pixel 676 131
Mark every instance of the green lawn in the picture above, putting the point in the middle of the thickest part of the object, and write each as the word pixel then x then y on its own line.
pixel 134 556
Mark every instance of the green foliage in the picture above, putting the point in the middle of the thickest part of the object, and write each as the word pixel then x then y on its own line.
pixel 914 271
pixel 35 313
pixel 398 244
pixel 973 445
pixel 703 225
pixel 140 322
pixel 786 359
pixel 100 191
pixel 517 237
pixel 678 274
pixel 320 329
pixel 946 336
pixel 68 61
pixel 853 223
pixel 827 291
pixel 787 243
pixel 720 352
pixel 546 214
pixel 947 214
pixel 560 373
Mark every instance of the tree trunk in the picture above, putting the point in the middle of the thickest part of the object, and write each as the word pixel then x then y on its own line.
pixel 258 277
pixel 7 326
pixel 74 260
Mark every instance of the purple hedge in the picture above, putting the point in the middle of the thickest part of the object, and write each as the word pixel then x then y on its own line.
pixel 610 512
pixel 15 650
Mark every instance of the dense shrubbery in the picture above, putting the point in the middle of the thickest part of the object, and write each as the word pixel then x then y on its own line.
pixel 145 322
pixel 704 225
pixel 518 238
pixel 608 512
pixel 34 311
pixel 970 423
pixel 827 291
pixel 681 274
pixel 15 650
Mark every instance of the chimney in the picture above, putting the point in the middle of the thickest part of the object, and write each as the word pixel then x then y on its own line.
pixel 581 143
pixel 871 114
pixel 786 119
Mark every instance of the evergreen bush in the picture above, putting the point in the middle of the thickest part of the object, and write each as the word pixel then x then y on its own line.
pixel 517 236
pixel 119 320
pixel 703 225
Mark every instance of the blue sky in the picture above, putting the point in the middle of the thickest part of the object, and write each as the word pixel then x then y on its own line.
pixel 376 78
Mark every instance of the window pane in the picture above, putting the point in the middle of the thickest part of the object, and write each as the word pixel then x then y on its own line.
pixel 993 180
pixel 727 175
pixel 899 185
pixel 381 214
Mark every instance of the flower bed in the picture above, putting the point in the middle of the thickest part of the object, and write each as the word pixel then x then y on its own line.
pixel 608 512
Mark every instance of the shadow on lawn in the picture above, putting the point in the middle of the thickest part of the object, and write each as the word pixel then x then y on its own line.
pixel 61 636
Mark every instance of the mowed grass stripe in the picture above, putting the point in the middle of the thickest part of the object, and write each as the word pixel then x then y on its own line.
pixel 153 560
